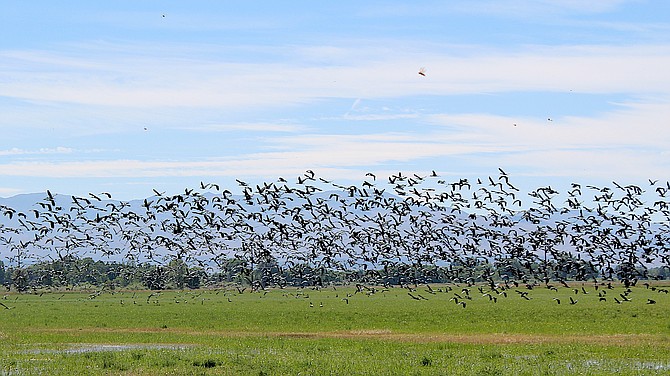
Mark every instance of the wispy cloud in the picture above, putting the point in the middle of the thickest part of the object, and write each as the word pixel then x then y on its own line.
pixel 6 192
pixel 143 81
pixel 18 151
pixel 633 124
pixel 520 9
pixel 539 9
pixel 294 154
pixel 246 127
pixel 207 94
pixel 627 142
pixel 378 117
pixel 561 144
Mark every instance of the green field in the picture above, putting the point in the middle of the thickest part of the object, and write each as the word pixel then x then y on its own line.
pixel 337 331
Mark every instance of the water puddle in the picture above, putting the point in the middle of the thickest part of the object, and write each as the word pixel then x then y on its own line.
pixel 653 366
pixel 618 366
pixel 81 348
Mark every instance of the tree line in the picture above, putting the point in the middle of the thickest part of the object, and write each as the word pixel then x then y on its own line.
pixel 81 273
pixel 402 229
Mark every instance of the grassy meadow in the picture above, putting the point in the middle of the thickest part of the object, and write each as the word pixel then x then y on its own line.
pixel 338 331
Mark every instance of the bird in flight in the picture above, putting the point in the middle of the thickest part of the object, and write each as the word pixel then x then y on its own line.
pixel 422 71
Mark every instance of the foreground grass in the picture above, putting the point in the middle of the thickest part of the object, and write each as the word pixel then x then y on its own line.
pixel 317 332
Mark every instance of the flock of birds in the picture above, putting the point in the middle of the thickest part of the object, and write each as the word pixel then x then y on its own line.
pixel 404 229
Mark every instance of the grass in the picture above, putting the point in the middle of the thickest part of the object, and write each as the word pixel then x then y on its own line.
pixel 307 331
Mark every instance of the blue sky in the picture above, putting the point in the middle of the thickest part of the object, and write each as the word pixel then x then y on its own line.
pixel 114 97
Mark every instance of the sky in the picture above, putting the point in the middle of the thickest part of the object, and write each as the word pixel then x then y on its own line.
pixel 130 96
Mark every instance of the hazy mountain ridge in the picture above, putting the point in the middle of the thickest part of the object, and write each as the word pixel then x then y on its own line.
pixel 411 220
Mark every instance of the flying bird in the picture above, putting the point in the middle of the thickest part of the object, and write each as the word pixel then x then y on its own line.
pixel 422 71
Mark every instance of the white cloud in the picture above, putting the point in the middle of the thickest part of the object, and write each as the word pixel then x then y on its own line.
pixel 589 164
pixel 294 154
pixel 136 80
pixel 632 125
pixel 80 90
pixel 535 9
pixel 7 192
pixel 627 141
pixel 377 117
pixel 520 9
pixel 582 6
pixel 19 151
pixel 246 127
